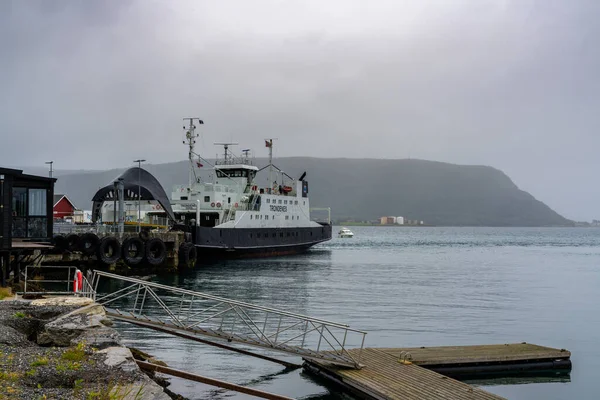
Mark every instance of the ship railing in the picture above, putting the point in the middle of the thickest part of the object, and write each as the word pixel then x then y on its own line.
pixel 232 320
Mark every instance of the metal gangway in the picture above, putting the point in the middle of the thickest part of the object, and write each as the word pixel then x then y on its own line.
pixel 185 312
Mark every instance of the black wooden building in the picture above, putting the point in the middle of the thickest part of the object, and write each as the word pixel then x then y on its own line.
pixel 26 216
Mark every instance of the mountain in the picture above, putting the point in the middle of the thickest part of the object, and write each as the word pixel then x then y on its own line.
pixel 365 189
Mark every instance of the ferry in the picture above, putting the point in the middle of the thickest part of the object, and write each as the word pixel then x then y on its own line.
pixel 232 216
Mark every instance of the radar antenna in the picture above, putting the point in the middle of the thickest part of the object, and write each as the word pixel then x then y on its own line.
pixel 226 152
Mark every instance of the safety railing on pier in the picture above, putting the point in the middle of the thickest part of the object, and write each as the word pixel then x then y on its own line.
pixel 185 311
pixel 55 280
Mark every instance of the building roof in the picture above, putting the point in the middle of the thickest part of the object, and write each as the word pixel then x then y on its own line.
pixel 134 180
pixel 58 197
pixel 20 174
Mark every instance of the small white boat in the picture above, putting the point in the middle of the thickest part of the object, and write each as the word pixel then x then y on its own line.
pixel 345 233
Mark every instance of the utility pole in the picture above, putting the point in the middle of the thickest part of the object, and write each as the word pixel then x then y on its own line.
pixel 50 162
pixel 140 161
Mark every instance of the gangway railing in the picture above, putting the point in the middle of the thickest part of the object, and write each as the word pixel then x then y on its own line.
pixel 180 310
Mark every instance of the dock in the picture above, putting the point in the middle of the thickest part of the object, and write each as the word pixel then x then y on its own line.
pixel 424 373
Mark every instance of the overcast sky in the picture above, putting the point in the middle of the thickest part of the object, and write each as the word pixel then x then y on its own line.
pixel 511 84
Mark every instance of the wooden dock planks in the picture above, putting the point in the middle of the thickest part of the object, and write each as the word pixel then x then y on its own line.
pixel 494 353
pixel 384 377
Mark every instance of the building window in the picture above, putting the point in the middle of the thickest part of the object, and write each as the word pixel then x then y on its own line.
pixel 30 213
pixel 37 202
pixel 19 202
pixel 207 199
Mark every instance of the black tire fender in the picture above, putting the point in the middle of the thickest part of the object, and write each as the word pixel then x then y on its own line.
pixel 133 251
pixel 73 242
pixel 109 250
pixel 188 255
pixel 88 243
pixel 156 251
pixel 60 242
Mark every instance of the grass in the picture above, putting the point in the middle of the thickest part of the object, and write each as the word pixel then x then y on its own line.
pixel 19 314
pixel 5 292
pixel 76 354
pixel 9 376
pixel 39 362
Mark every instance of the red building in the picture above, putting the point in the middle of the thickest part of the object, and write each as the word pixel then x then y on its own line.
pixel 63 207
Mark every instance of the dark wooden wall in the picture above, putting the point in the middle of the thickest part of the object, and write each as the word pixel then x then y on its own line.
pixel 5 212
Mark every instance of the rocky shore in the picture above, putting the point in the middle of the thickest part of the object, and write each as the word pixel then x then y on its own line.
pixel 64 348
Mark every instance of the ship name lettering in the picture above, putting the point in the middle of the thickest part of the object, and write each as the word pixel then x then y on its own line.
pixel 279 208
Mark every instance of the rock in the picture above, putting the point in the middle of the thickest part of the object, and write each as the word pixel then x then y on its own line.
pixel 10 336
pixel 68 327
pixel 144 388
pixel 63 301
pixel 121 357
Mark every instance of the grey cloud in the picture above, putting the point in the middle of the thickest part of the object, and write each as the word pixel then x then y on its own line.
pixel 510 84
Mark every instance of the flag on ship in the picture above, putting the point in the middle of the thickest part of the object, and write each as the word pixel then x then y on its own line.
pixel 269 143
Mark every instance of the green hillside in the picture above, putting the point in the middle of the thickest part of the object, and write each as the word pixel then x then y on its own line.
pixel 365 189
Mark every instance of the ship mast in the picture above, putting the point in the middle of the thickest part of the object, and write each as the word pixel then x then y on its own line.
pixel 269 144
pixel 190 137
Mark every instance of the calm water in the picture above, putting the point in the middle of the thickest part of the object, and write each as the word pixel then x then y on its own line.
pixel 413 287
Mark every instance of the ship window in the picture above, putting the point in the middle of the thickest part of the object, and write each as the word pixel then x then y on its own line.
pixel 296 202
pixel 220 232
pixel 268 201
pixel 250 235
pixel 207 199
pixel 261 217
pixel 258 235
pixel 287 217
pixel 266 217
pixel 288 234
pixel 279 201
pixel 281 234
pixel 273 217
pixel 183 198
pixel 285 202
pixel 229 200
pixel 274 234
pixel 250 216
pixel 304 202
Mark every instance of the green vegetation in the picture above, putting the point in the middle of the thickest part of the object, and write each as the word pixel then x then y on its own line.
pixel 19 314
pixel 39 362
pixel 5 292
pixel 76 354
pixel 9 376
